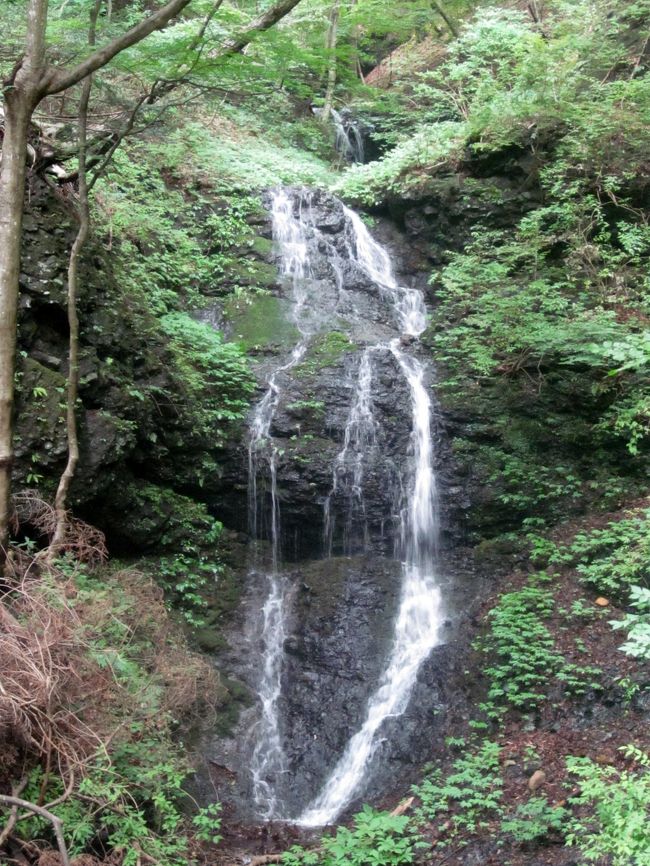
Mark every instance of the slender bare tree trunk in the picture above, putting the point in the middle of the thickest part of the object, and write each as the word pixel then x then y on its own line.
pixel 330 44
pixel 20 97
pixel 440 9
pixel 83 213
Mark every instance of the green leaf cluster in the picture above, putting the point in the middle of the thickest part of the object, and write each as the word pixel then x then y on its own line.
pixel 522 653
pixel 375 839
pixel 616 825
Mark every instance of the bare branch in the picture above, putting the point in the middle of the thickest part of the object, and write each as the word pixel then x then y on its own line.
pixel 43 813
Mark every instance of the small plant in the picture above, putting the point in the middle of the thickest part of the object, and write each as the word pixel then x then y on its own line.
pixel 472 791
pixel 207 823
pixel 637 625
pixel 612 559
pixel 534 820
pixel 376 839
pixel 616 826
pixel 189 577
pixel 523 652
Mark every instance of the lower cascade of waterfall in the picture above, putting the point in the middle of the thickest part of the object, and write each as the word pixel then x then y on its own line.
pixel 325 277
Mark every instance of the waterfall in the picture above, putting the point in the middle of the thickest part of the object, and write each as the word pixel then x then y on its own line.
pixel 348 132
pixel 268 761
pixel 414 510
pixel 419 615
pixel 348 470
pixel 349 140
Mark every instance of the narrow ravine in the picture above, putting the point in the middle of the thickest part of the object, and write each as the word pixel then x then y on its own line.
pixel 409 487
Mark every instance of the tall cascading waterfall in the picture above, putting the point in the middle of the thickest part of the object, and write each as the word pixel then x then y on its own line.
pixel 412 508
pixel 419 616
pixel 268 762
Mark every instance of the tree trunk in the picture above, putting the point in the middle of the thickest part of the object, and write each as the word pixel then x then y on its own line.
pixel 20 97
pixel 83 213
pixel 332 35
pixel 445 17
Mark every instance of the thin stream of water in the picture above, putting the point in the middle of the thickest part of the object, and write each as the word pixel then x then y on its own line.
pixel 419 615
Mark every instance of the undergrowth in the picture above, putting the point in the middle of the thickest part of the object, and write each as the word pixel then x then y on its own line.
pixel 99 687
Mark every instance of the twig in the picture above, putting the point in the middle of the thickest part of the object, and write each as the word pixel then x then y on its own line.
pixel 43 813
pixel 13 817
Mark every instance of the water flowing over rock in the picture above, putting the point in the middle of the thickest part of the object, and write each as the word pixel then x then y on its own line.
pixel 344 603
pixel 349 134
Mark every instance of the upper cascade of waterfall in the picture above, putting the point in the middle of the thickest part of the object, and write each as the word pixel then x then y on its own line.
pixel 349 134
pixel 320 274
pixel 374 259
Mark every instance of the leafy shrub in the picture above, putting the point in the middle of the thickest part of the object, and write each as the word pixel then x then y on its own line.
pixel 637 625
pixel 613 821
pixel 213 377
pixel 468 795
pixel 612 559
pixel 376 839
pixel 534 820
pixel 522 652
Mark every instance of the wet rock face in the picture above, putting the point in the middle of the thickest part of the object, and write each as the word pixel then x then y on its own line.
pixel 346 312
pixel 335 470
pixel 341 635
pixel 338 638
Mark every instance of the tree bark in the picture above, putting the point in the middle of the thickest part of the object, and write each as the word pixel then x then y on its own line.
pixel 330 45
pixel 20 94
pixel 83 213
pixel 445 17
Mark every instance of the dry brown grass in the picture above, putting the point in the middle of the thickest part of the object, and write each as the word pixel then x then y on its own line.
pixel 44 676
pixel 82 542
pixel 62 703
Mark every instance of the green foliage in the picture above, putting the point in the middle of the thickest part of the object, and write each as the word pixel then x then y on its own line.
pixel 132 793
pixel 615 825
pixel 467 797
pixel 171 247
pixel 522 653
pixel 375 839
pixel 612 559
pixel 534 820
pixel 637 625
pixel 187 578
pixel 538 304
pixel 207 823
pixel 216 382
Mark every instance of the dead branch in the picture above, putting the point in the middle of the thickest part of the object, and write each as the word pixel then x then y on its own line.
pixel 82 541
pixel 402 807
pixel 13 816
pixel 42 813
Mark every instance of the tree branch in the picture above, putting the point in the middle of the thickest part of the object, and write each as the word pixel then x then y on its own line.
pixel 263 22
pixel 57 80
pixel 43 813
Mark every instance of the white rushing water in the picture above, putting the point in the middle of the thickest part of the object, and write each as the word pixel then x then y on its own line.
pixel 348 140
pixel 268 761
pixel 358 442
pixel 419 615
